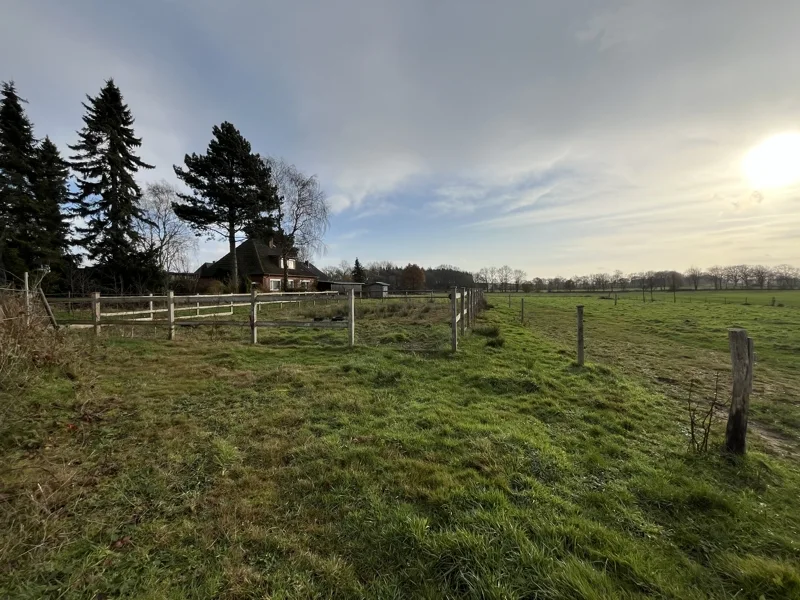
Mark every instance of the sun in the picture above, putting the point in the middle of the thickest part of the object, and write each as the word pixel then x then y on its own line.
pixel 774 163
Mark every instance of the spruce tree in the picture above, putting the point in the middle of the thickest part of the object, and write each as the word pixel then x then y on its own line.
pixel 17 205
pixel 358 272
pixel 51 192
pixel 233 191
pixel 108 195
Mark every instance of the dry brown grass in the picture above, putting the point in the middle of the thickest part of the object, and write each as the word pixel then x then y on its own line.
pixel 28 343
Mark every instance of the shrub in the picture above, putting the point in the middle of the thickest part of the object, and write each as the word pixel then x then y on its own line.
pixel 28 345
pixel 496 342
pixel 210 286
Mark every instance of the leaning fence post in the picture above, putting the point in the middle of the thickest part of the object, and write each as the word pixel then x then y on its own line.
pixel 96 312
pixel 253 316
pixel 171 314
pixel 351 320
pixel 580 335
pixel 742 355
pixel 453 322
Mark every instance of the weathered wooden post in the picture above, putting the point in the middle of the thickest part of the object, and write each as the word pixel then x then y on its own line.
pixel 151 306
pixel 522 311
pixel 580 335
pixel 27 299
pixel 351 321
pixel 453 321
pixel 463 316
pixel 253 316
pixel 96 312
pixel 197 309
pixel 742 357
pixel 615 299
pixel 171 315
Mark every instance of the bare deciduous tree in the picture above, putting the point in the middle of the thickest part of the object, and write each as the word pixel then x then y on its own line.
pixel 492 274
pixel 519 276
pixel 302 217
pixel 504 275
pixel 694 274
pixel 162 232
pixel 762 276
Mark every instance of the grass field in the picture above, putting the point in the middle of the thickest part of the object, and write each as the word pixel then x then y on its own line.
pixel 298 468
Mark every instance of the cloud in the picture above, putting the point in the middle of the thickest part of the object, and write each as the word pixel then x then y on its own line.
pixel 591 125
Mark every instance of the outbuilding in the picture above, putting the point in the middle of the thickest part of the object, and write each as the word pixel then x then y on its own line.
pixel 376 289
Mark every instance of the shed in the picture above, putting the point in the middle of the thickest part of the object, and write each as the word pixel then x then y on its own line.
pixel 343 287
pixel 377 289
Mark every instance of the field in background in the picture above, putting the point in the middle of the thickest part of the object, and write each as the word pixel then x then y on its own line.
pixel 299 468
pixel 789 298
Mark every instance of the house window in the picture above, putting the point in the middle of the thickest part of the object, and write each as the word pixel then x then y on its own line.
pixel 290 283
pixel 274 285
pixel 305 284
pixel 292 263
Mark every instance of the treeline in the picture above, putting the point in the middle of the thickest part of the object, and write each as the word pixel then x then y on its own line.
pixel 410 277
pixel 784 277
pixel 54 211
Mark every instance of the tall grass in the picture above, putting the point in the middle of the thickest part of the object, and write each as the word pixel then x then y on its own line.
pixel 28 343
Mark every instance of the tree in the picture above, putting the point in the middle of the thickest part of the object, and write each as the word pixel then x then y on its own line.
pixel 161 231
pixel 491 272
pixel 413 277
pixel 519 275
pixel 232 191
pixel 17 204
pixel 538 284
pixel 694 274
pixel 358 272
pixel 731 274
pixel 717 273
pixel 108 195
pixel 762 276
pixel 504 275
pixel 302 215
pixel 744 275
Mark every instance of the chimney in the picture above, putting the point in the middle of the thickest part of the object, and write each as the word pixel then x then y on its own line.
pixel 305 262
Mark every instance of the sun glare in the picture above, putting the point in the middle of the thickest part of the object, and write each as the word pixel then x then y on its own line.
pixel 774 163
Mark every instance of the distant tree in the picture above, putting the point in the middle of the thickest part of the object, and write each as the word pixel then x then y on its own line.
pixel 527 287
pixel 446 276
pixel 745 274
pixel 504 276
pixel 413 277
pixel 358 272
pixel 519 275
pixel 162 232
pixel 538 284
pixel 482 276
pixel 301 219
pixel 731 275
pixel 18 234
pixel 675 281
pixel 786 277
pixel 694 274
pixel 108 197
pixel 569 285
pixel 232 191
pixel 717 274
pixel 491 272
pixel 651 279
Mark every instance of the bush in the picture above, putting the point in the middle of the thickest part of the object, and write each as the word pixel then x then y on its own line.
pixel 210 286
pixel 496 342
pixel 27 346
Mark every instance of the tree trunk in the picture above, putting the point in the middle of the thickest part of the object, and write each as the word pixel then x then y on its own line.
pixel 232 249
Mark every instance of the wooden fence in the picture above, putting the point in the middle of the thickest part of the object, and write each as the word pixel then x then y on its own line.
pixel 464 306
pixel 199 304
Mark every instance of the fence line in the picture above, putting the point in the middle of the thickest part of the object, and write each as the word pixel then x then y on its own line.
pixel 464 306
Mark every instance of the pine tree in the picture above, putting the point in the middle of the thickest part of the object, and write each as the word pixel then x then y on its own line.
pixel 50 189
pixel 358 272
pixel 108 196
pixel 17 205
pixel 232 187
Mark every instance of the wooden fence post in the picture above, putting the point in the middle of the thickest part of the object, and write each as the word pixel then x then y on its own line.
pixel 96 312
pixel 253 316
pixel 463 316
pixel 351 320
pixel 453 322
pixel 171 314
pixel 522 311
pixel 27 299
pixel 742 357
pixel 152 315
pixel 580 335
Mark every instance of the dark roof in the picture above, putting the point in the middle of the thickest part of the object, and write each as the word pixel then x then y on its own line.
pixel 258 258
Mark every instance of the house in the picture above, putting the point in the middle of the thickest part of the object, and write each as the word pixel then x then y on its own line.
pixel 343 287
pixel 376 289
pixel 261 264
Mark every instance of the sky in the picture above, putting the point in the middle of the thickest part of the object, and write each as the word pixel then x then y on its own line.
pixel 558 137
